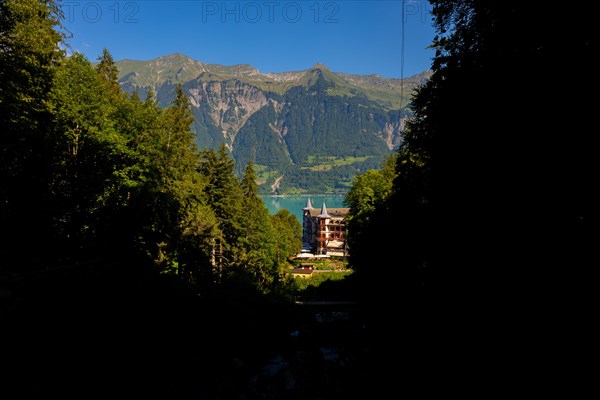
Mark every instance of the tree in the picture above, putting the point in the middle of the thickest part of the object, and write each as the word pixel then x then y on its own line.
pixel 151 98
pixel 247 244
pixel 169 194
pixel 196 222
pixel 224 196
pixel 367 200
pixel 83 157
pixel 256 247
pixel 491 195
pixel 288 234
pixel 501 184
pixel 30 33
pixel 109 72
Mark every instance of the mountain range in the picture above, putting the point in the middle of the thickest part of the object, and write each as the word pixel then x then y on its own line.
pixel 307 131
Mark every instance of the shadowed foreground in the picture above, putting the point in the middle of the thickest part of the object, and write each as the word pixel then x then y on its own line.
pixel 81 333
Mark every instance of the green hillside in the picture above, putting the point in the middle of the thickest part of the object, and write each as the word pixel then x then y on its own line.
pixel 300 128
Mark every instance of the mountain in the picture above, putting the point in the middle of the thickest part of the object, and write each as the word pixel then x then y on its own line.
pixel 306 131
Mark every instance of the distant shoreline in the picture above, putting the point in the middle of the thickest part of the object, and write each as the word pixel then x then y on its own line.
pixel 301 195
pixel 296 204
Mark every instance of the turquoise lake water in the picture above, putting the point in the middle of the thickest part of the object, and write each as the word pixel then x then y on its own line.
pixel 295 204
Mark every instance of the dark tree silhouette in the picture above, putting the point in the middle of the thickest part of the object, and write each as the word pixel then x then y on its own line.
pixel 509 176
pixel 493 192
pixel 29 54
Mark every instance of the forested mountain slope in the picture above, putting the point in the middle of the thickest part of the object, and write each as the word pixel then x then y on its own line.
pixel 306 131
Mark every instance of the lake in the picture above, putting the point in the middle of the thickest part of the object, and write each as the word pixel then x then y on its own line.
pixel 295 204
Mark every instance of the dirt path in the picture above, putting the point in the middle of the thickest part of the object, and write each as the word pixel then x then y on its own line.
pixel 275 186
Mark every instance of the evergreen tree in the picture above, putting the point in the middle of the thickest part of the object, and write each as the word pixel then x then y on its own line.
pixel 109 72
pixel 196 222
pixel 224 196
pixel 256 247
pixel 151 98
pixel 249 185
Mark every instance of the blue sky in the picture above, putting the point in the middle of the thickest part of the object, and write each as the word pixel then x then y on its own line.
pixel 359 37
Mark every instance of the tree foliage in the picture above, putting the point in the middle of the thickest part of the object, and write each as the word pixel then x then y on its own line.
pixel 288 233
pixel 368 196
pixel 108 72
pixel 486 220
pixel 30 33
pixel 247 246
pixel 488 212
pixel 96 172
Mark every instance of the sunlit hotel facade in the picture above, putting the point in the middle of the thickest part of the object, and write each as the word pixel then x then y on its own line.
pixel 324 230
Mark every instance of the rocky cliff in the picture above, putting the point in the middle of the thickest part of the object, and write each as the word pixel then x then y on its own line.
pixel 311 130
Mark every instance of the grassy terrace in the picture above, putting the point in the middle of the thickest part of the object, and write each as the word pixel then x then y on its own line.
pixel 327 163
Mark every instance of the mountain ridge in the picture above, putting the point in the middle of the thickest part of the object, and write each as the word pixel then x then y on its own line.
pixel 315 128
pixel 318 65
pixel 386 91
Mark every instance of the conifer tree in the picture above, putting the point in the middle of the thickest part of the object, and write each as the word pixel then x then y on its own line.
pixel 256 244
pixel 224 196
pixel 109 72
